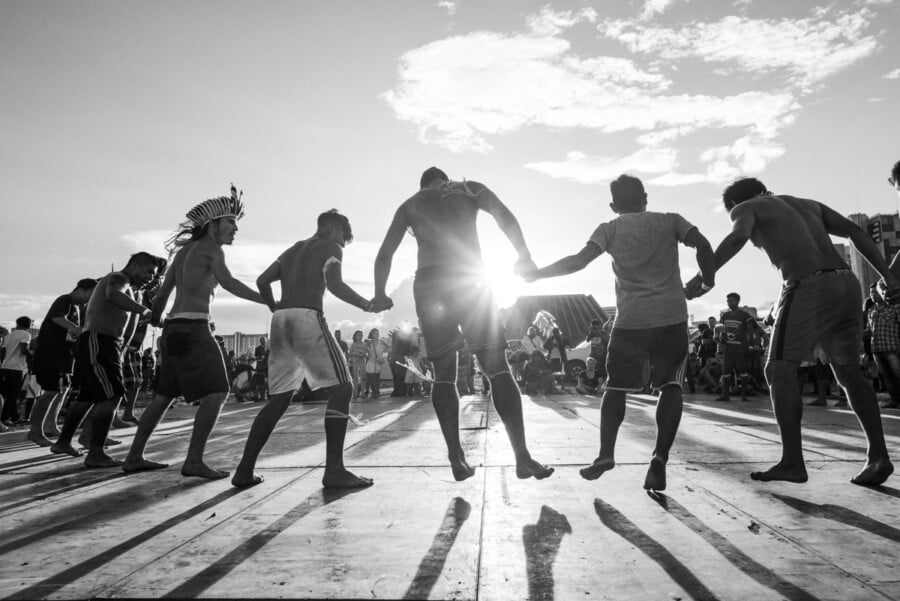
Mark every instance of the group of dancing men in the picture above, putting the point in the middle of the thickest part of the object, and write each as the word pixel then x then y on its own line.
pixel 819 304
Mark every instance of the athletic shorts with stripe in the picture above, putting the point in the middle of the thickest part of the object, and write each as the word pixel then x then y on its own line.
pixel 99 363
pixel 191 361
pixel 131 369
pixel 820 308
pixel 652 355
pixel 301 346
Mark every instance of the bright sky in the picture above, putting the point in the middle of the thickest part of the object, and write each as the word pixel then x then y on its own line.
pixel 117 117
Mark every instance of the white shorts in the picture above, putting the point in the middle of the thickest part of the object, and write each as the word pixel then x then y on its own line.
pixel 301 346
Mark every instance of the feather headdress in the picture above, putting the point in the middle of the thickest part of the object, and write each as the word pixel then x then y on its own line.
pixel 216 208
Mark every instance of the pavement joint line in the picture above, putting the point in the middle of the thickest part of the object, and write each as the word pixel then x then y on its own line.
pixel 484 484
pixel 211 526
pixel 793 541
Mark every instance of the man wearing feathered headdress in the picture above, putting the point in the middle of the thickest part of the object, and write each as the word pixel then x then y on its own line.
pixel 191 360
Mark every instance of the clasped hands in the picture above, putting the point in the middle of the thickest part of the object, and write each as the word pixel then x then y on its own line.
pixel 526 269
pixel 379 304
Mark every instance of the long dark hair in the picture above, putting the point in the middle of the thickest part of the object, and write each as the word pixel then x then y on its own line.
pixel 186 233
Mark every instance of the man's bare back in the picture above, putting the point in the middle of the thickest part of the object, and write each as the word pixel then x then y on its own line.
pixel 302 268
pixel 794 233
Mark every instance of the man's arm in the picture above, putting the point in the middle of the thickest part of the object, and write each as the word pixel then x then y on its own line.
pixel 706 258
pixel 162 294
pixel 334 281
pixel 223 276
pixel 115 294
pixel 508 224
pixel 743 220
pixel 392 240
pixel 838 225
pixel 567 265
pixel 264 284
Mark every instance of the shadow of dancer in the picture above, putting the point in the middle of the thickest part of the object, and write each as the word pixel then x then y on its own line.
pixel 542 541
pixel 433 563
pixel 843 515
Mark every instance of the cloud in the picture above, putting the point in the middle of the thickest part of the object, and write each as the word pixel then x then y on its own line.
pixel 448 5
pixel 551 23
pixel 597 169
pixel 805 51
pixel 895 74
pixel 654 7
pixel 875 99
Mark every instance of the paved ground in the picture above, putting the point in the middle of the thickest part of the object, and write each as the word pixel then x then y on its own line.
pixel 69 532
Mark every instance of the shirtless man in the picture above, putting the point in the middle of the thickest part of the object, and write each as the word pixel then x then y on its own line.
pixel 650 331
pixel 301 346
pixel 55 358
pixel 191 360
pixel 451 293
pixel 110 320
pixel 820 303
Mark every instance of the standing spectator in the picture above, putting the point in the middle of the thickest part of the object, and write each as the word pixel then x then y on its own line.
pixel 693 368
pixel 375 358
pixel 401 346
pixel 413 381
pixel 357 354
pixel 148 369
pixel 261 377
pixel 736 323
pixel 343 345
pixel 556 350
pixel 707 342
pixel 884 324
pixel 13 370
pixel 532 341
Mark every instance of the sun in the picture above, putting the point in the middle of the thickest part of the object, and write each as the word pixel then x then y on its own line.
pixel 499 259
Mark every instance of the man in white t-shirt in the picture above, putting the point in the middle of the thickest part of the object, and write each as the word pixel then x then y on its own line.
pixel 13 370
pixel 650 329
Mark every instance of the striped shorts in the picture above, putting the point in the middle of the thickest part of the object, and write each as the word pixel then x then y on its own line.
pixel 99 365
pixel 301 346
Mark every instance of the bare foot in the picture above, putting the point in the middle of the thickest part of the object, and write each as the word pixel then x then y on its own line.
pixel 345 479
pixel 530 467
pixel 39 440
pixel 242 480
pixel 461 469
pixel 201 470
pixel 597 469
pixel 59 448
pixel 130 420
pixel 656 475
pixel 120 423
pixel 52 433
pixel 788 473
pixel 874 474
pixel 86 442
pixel 100 460
pixel 142 465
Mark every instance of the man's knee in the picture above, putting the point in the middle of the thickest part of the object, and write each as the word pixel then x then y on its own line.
pixel 493 360
pixel 776 370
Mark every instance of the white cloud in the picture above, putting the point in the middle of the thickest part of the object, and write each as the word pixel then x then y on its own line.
pixel 654 7
pixel 806 50
pixel 598 169
pixel 550 23
pixel 875 99
pixel 895 74
pixel 448 5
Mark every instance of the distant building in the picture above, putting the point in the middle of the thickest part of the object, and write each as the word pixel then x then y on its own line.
pixel 885 232
pixel 241 343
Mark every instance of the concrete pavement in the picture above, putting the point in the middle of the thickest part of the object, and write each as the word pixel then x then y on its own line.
pixel 72 533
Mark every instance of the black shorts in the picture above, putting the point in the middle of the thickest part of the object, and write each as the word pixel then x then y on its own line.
pixel 737 359
pixel 131 369
pixel 191 361
pixel 53 371
pixel 453 306
pixel 659 353
pixel 99 363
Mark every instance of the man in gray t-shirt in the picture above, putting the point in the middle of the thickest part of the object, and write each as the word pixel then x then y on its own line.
pixel 650 330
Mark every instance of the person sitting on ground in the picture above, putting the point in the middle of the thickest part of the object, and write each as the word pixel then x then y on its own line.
pixel 589 380
pixel 539 375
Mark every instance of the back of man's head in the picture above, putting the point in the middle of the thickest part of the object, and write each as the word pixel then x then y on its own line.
pixel 86 284
pixel 431 174
pixel 333 218
pixel 628 194
pixel 141 259
pixel 741 190
pixel 733 295
pixel 23 323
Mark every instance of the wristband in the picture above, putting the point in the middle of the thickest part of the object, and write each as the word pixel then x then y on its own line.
pixel 704 287
pixel 146 312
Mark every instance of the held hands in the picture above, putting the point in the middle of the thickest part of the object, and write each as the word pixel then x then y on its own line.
pixel 695 287
pixel 379 304
pixel 526 269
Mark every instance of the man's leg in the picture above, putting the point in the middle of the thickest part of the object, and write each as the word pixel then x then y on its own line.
pixel 668 417
pixel 864 403
pixel 38 414
pixel 51 422
pixel 74 415
pixel 101 421
pixel 336 416
pixel 889 369
pixel 262 428
pixel 612 413
pixel 128 417
pixel 788 407
pixel 445 400
pixel 726 385
pixel 151 418
pixel 508 401
pixel 204 421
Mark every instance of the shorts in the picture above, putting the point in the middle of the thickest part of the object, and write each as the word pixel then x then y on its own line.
pixel 53 371
pixel 131 370
pixel 301 346
pixel 191 361
pixel 99 363
pixel 737 359
pixel 455 306
pixel 633 354
pixel 822 308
